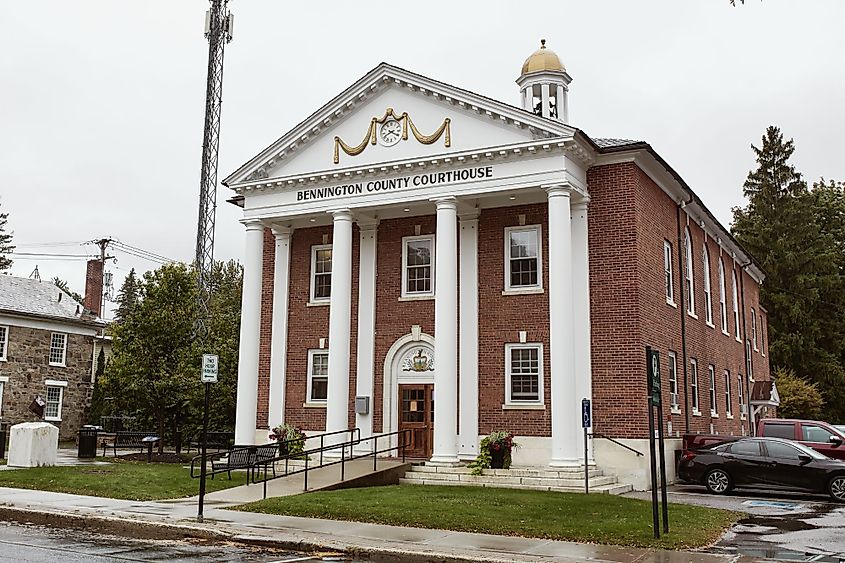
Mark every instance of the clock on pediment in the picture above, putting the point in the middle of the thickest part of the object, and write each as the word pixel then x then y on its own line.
pixel 389 133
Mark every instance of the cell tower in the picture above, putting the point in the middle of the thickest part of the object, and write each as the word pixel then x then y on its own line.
pixel 218 31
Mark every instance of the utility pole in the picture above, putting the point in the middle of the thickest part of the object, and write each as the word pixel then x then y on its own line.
pixel 218 31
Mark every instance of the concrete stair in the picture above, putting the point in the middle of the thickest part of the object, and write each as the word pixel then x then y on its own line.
pixel 570 480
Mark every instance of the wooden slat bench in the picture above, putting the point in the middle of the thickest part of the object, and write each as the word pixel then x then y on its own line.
pixel 130 440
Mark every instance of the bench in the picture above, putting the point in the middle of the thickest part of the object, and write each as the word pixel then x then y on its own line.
pixel 132 440
pixel 216 440
pixel 244 458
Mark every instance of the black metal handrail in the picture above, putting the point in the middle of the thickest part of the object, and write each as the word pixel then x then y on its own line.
pixel 617 442
pixel 260 470
pixel 354 434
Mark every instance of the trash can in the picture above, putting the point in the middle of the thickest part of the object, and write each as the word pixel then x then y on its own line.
pixel 88 441
pixel 4 435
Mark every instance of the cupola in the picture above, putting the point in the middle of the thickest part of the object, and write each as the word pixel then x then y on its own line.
pixel 544 84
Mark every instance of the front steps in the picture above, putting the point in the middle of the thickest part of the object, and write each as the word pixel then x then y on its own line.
pixel 569 480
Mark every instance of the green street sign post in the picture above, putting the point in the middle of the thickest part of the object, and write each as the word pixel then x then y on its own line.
pixel 655 410
pixel 208 375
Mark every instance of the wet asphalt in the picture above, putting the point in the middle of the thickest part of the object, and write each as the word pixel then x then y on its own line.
pixel 37 544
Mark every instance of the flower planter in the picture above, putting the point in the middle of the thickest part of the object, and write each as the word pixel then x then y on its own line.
pixel 497 459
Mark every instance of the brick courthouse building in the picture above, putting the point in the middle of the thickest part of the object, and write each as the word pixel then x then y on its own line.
pixel 463 265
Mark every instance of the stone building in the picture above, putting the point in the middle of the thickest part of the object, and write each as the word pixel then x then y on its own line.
pixel 462 265
pixel 48 347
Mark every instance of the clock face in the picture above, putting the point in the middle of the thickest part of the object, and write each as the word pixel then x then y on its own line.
pixel 390 132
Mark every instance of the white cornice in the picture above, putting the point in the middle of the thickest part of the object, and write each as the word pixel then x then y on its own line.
pixel 373 82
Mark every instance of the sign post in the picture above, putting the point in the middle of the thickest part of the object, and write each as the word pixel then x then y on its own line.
pixel 653 390
pixel 208 376
pixel 586 422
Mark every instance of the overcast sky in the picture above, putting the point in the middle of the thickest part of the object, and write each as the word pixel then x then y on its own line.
pixel 101 102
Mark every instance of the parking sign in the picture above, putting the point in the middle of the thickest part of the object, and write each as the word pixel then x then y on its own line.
pixel 209 368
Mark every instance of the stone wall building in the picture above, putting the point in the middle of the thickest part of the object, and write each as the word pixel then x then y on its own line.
pixel 48 347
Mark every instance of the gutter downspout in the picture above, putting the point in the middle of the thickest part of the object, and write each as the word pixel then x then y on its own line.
pixel 683 309
pixel 752 427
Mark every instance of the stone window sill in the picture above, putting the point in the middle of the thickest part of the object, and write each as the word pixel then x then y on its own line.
pixel 729 416
pixel 676 410
pixel 726 333
pixel 314 405
pixel 53 365
pixel 710 324
pixel 714 414
pixel 325 303
pixel 424 297
pixel 696 413
pixel 692 314
pixel 518 407
pixel 524 291
pixel 671 303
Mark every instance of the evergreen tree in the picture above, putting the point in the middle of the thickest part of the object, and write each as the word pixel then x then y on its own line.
pixel 6 246
pixel 62 284
pixel 796 235
pixel 128 296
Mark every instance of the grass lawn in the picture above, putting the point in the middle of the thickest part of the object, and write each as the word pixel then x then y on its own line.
pixel 121 479
pixel 593 518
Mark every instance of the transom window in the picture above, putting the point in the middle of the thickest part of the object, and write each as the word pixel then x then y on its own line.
pixel 693 365
pixel 523 252
pixel 318 376
pixel 58 349
pixel 55 395
pixel 711 371
pixel 4 342
pixel 321 272
pixel 524 373
pixel 673 381
pixel 418 265
pixel 667 272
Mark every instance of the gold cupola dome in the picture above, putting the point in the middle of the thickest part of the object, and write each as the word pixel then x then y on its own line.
pixel 542 60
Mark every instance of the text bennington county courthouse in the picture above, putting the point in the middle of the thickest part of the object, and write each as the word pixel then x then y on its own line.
pixel 462 265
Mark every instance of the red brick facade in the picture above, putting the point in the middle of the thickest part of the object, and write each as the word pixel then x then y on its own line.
pixel 629 219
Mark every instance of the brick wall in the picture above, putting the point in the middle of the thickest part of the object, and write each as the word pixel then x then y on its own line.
pixel 27 367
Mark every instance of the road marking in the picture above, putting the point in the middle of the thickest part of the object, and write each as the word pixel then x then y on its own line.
pixel 773 504
pixel 309 558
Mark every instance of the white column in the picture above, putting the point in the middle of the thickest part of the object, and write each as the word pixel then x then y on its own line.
pixel 544 89
pixel 247 395
pixel 366 323
pixel 528 98
pixel 446 335
pixel 340 319
pixel 560 100
pixel 566 427
pixel 468 429
pixel 581 309
pixel 279 340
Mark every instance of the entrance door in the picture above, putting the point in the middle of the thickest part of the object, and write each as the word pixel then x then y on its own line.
pixel 416 413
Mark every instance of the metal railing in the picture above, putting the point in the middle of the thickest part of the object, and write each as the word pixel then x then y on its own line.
pixel 260 472
pixel 617 442
pixel 284 445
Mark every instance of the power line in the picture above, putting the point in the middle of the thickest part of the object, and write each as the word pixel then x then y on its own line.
pixel 49 254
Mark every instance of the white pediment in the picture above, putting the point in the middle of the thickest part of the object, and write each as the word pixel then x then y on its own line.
pixel 359 127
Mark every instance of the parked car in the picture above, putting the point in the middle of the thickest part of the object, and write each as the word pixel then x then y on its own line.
pixel 840 427
pixel 815 434
pixel 768 463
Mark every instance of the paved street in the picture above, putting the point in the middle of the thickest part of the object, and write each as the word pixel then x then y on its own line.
pixel 23 543
pixel 782 526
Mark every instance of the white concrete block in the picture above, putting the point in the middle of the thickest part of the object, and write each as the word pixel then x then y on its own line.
pixel 33 444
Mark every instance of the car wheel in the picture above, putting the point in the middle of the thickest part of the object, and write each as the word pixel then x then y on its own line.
pixel 836 488
pixel 718 481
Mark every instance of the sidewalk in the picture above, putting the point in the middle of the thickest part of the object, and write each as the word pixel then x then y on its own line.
pixel 406 544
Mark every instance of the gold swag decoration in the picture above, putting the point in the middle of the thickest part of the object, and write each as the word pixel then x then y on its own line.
pixel 405 120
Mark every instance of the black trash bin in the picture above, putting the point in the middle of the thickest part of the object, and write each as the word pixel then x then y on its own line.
pixel 88 441
pixel 4 435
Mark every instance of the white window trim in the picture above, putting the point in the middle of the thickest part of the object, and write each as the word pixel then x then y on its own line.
pixel 64 351
pixel 728 395
pixel 694 384
pixel 675 407
pixel 668 271
pixel 516 290
pixel 740 396
pixel 754 328
pixel 723 299
pixel 510 403
pixel 708 289
pixel 735 298
pixel 689 272
pixel 4 379
pixel 318 300
pixel 406 295
pixel 308 401
pixel 712 395
pixel 62 385
pixel 5 342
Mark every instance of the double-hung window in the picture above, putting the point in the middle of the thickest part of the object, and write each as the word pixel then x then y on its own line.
pixel 708 293
pixel 4 343
pixel 690 279
pixel 523 258
pixel 58 349
pixel 667 272
pixel 418 266
pixel 736 305
pixel 723 306
pixel 321 272
pixel 711 372
pixel 673 382
pixel 318 376
pixel 739 396
pixel 693 367
pixel 728 401
pixel 3 380
pixel 754 328
pixel 55 396
pixel 524 374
